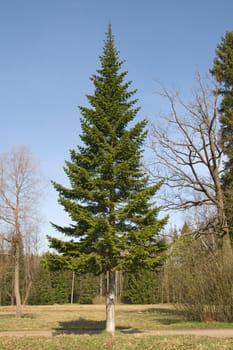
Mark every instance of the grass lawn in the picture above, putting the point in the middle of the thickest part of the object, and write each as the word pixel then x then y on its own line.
pixel 118 342
pixel 92 317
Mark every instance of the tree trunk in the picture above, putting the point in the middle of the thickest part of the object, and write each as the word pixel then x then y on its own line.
pixel 226 245
pixel 27 294
pixel 72 288
pixel 101 284
pixel 224 228
pixel 110 303
pixel 16 286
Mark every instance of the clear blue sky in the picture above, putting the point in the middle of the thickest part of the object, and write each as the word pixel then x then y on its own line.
pixel 50 48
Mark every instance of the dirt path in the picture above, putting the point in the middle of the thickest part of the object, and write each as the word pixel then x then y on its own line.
pixel 217 333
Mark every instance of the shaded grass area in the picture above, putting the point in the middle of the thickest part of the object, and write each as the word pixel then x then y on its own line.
pixel 118 342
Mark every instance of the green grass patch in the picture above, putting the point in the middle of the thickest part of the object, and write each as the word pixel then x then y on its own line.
pixel 117 342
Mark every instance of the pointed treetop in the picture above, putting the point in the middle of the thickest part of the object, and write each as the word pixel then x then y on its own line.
pixel 109 44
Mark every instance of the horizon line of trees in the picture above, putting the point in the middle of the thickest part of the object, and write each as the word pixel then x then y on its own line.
pixel 50 287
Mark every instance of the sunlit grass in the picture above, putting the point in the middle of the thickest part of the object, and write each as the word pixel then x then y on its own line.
pixel 118 342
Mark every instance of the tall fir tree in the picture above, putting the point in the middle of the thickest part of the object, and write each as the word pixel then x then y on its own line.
pixel 115 223
pixel 223 72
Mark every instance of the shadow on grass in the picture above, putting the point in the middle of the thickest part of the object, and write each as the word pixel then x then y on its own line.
pixel 82 326
pixel 165 311
pixel 13 316
pixel 166 316
pixel 2 317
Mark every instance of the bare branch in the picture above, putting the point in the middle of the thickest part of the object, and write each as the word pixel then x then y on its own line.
pixel 19 199
pixel 187 154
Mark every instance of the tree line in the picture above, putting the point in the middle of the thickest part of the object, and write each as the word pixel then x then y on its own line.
pixel 114 201
pixel 50 287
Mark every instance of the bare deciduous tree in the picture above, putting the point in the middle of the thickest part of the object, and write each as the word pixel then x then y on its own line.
pixel 188 155
pixel 19 193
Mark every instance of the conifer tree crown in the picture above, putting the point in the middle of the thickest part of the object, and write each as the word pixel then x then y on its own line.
pixel 114 224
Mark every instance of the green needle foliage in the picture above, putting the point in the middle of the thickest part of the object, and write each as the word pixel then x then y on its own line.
pixel 114 222
pixel 223 73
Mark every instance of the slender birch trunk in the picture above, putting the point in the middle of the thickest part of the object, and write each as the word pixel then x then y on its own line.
pixel 16 286
pixel 27 294
pixel 17 243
